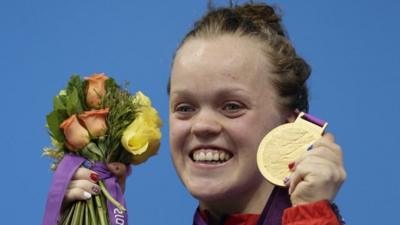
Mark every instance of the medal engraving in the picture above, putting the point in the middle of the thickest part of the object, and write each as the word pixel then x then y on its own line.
pixel 285 144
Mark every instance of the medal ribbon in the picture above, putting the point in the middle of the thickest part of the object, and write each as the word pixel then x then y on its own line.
pixel 314 119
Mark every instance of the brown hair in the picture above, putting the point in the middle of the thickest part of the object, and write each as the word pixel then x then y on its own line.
pixel 260 22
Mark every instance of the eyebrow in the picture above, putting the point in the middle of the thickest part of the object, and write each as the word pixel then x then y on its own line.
pixel 221 92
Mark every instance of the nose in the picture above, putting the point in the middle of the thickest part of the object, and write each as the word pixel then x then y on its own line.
pixel 206 124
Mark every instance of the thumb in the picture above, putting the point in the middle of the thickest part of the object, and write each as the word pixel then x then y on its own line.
pixel 329 137
pixel 120 171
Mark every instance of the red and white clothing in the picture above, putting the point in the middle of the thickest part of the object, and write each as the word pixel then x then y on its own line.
pixel 278 211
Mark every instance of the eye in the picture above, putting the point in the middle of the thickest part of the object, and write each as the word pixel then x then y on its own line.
pixel 184 108
pixel 233 109
pixel 232 106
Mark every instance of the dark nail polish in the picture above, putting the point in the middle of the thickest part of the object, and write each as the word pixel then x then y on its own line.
pixel 95 189
pixel 94 177
pixel 291 165
pixel 286 180
pixel 310 147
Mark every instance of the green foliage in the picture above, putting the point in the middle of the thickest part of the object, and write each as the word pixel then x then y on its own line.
pixel 68 102
pixel 75 95
pixel 92 152
pixel 121 113
pixel 79 85
pixel 71 100
pixel 74 104
pixel 54 119
pixel 59 102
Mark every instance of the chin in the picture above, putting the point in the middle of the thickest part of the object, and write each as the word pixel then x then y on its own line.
pixel 209 191
pixel 209 195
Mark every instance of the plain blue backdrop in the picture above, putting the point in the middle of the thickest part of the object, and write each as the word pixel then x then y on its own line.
pixel 353 47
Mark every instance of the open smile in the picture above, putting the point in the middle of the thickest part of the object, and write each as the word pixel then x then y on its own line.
pixel 210 155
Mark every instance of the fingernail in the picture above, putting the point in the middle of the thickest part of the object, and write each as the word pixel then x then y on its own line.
pixel 86 195
pixel 95 189
pixel 286 180
pixel 94 177
pixel 291 165
pixel 87 164
pixel 309 147
pixel 290 191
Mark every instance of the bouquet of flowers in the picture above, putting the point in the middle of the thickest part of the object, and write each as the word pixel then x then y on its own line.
pixel 94 122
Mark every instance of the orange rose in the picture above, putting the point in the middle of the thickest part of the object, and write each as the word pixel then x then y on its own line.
pixel 95 121
pixel 95 89
pixel 76 135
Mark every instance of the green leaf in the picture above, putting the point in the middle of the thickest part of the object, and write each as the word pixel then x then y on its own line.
pixel 54 119
pixel 59 103
pixel 111 84
pixel 92 152
pixel 74 104
pixel 76 92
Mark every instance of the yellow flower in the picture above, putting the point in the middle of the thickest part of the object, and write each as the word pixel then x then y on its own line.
pixel 141 100
pixel 142 137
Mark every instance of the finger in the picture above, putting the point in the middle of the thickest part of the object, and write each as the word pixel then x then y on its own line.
pixel 85 185
pixel 120 171
pixel 86 174
pixel 286 181
pixel 329 136
pixel 325 151
pixel 325 144
pixel 295 178
pixel 310 168
pixel 117 168
pixel 318 171
pixel 325 141
pixel 76 194
pixel 316 155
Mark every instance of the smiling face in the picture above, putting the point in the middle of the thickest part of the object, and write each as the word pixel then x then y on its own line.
pixel 221 106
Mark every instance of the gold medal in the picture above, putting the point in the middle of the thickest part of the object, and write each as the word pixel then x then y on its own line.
pixel 285 144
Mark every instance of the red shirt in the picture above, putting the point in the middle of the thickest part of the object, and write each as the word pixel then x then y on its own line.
pixel 318 213
pixel 236 219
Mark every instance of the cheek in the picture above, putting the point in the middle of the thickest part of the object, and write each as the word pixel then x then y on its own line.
pixel 178 131
pixel 255 129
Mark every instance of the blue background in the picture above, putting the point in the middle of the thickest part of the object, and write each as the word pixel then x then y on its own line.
pixel 353 47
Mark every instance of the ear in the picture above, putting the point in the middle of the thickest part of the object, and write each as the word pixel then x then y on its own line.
pixel 291 117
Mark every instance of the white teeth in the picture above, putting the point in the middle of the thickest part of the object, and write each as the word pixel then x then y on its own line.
pixel 215 156
pixel 195 157
pixel 222 155
pixel 202 156
pixel 227 157
pixel 210 156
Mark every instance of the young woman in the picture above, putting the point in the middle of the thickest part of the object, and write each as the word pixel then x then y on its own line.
pixel 235 77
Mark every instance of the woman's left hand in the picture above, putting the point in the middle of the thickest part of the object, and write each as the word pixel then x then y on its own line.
pixel 319 174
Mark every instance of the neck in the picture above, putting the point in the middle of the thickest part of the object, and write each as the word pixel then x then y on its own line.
pixel 250 202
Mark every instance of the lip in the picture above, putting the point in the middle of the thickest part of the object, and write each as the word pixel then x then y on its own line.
pixel 209 147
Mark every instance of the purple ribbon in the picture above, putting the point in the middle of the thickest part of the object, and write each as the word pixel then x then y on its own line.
pixel 272 213
pixel 314 119
pixel 61 178
pixel 115 215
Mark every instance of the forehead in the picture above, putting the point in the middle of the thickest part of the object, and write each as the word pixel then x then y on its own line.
pixel 226 58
